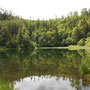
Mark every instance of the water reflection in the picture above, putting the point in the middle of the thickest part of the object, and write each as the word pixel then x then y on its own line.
pixel 47 69
pixel 48 83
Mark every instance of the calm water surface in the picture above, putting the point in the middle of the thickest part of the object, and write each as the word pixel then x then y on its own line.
pixel 44 69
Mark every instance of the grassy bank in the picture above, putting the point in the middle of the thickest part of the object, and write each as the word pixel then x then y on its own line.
pixel 53 48
pixel 71 47
pixel 76 47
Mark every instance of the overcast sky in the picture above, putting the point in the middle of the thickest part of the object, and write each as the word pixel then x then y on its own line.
pixel 41 9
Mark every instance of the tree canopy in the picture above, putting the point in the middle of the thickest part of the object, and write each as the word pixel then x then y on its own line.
pixel 16 32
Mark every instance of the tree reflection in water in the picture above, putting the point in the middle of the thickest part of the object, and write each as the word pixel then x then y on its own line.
pixel 15 66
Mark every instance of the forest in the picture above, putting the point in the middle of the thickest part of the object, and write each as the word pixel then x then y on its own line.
pixel 16 32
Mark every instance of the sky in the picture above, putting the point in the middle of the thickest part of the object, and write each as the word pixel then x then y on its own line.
pixel 43 9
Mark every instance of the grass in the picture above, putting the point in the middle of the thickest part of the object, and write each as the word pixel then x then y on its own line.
pixel 53 48
pixel 76 47
pixel 71 47
pixel 5 85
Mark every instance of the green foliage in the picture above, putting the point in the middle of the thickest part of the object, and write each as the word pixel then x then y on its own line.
pixel 85 66
pixel 88 34
pixel 20 33
pixel 5 15
pixel 87 43
pixel 81 42
pixel 5 85
pixel 23 37
pixel 14 34
pixel 69 41
pixel 76 35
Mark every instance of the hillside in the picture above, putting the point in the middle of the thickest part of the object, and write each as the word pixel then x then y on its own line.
pixel 73 29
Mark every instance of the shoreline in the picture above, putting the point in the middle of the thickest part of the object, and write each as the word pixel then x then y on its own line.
pixel 71 47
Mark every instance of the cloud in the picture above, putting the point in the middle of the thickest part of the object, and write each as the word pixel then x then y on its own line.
pixel 43 8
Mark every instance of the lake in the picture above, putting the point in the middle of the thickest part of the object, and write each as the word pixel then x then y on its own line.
pixel 44 69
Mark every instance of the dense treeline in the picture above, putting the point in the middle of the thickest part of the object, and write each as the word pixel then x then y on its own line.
pixel 16 32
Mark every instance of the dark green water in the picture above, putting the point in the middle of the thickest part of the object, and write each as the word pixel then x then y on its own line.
pixel 44 69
